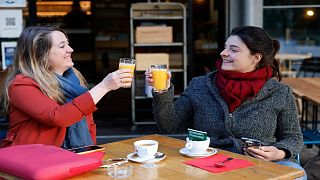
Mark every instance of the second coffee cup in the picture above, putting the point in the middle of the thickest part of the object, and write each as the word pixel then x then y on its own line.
pixel 197 147
pixel 146 148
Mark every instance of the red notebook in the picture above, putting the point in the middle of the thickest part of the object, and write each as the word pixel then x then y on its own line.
pixel 37 161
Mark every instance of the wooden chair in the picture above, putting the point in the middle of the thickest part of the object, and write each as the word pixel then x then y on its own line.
pixel 311 134
pixel 311 137
pixel 309 66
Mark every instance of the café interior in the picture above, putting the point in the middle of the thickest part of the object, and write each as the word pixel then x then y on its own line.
pixel 105 30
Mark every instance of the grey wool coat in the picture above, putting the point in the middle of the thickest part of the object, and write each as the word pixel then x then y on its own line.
pixel 270 116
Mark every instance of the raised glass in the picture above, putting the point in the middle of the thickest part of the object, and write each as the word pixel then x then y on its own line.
pixel 159 76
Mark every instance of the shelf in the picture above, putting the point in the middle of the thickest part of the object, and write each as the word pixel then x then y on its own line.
pixel 176 70
pixel 158 44
pixel 158 18
pixel 172 15
pixel 59 8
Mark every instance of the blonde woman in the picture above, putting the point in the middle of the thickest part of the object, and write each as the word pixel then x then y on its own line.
pixel 46 99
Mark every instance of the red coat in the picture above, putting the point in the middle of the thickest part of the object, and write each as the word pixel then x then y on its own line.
pixel 37 119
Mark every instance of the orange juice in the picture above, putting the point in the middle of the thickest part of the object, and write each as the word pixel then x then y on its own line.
pixel 127 66
pixel 159 77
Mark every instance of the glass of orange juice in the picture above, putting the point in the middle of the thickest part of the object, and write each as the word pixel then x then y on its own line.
pixel 159 76
pixel 127 63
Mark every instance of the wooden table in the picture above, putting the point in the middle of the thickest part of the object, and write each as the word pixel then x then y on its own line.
pixel 284 58
pixel 308 90
pixel 172 167
pixel 304 87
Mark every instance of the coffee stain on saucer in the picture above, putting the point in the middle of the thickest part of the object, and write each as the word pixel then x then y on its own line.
pixel 135 155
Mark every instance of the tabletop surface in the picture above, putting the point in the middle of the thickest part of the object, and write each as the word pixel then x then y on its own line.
pixel 172 167
pixel 307 88
pixel 286 64
pixel 288 56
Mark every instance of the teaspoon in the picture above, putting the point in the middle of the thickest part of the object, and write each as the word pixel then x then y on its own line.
pixel 222 163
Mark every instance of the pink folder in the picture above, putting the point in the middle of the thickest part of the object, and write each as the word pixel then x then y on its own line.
pixel 37 161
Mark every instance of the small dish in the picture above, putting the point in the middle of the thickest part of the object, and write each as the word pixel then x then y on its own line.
pixel 135 158
pixel 210 151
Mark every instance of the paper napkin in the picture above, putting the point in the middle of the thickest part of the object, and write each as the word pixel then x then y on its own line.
pixel 207 163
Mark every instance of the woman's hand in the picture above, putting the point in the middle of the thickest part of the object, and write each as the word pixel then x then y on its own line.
pixel 267 153
pixel 113 81
pixel 118 79
pixel 149 80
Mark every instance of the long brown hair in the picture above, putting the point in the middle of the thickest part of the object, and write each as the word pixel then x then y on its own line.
pixel 31 60
pixel 258 41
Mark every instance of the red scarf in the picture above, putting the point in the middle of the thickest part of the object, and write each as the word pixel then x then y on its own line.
pixel 236 87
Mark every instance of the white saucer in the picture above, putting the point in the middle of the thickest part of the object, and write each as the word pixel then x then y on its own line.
pixel 135 158
pixel 210 151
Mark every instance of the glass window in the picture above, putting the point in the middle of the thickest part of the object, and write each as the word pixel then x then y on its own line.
pixel 296 27
pixel 289 2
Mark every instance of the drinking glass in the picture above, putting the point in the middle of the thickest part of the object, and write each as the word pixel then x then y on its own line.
pixel 120 171
pixel 159 76
pixel 127 63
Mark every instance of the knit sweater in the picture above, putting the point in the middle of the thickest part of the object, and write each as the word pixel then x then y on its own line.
pixel 270 116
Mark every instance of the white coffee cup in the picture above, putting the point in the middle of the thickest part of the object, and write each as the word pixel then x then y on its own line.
pixel 146 148
pixel 197 147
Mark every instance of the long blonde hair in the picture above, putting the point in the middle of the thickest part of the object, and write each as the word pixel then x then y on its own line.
pixel 31 59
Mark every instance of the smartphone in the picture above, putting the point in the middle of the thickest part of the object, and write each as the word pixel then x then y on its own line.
pixel 87 149
pixel 248 142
